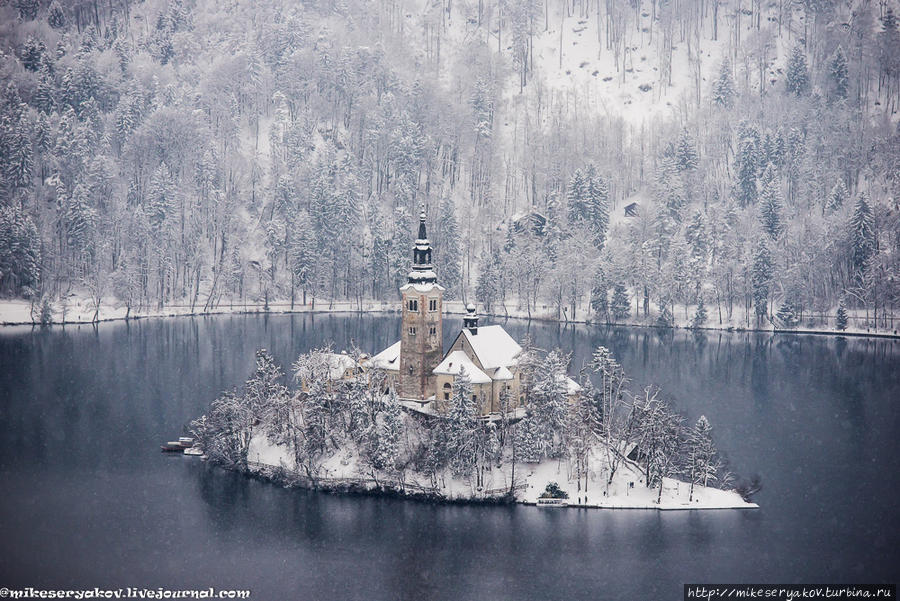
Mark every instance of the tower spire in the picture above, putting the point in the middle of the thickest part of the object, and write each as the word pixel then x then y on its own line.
pixel 422 271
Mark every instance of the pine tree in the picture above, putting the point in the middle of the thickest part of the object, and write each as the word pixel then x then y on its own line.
pixel 448 253
pixel 797 77
pixel 56 16
pixel 33 53
pixel 686 152
pixel 789 311
pixel 665 318
pixel 461 427
pixel 385 436
pixel 842 318
pixel 836 198
pixel 747 164
pixel 771 209
pixel 598 206
pixel 761 278
pixel 487 287
pixel 160 196
pixel 838 74
pixel 621 304
pixel 703 463
pixel 723 92
pixel 600 295
pixel 700 315
pixel 862 236
pixel 577 196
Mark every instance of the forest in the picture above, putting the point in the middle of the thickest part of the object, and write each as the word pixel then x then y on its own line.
pixel 202 153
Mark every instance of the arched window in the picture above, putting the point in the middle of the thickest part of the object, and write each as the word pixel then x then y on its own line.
pixel 447 391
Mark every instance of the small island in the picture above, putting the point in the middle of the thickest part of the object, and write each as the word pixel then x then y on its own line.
pixel 488 421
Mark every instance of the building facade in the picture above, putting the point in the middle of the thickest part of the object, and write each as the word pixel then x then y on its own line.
pixel 416 366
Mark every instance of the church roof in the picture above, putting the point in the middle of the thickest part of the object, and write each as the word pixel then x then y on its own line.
pixel 388 359
pixel 503 374
pixel 457 361
pixel 422 287
pixel 493 346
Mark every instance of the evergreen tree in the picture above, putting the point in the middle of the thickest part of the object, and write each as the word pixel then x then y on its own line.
pixel 600 295
pixel 761 278
pixel 20 252
pixel 665 318
pixel 33 53
pixel 448 250
pixel 836 198
pixel 384 443
pixel 548 401
pixel 621 304
pixel 862 236
pixel 56 16
pixel 577 197
pixel 703 462
pixel 838 75
pixel 789 311
pixel 797 77
pixel 487 288
pixel 747 164
pixel 771 209
pixel 598 206
pixel 686 152
pixel 723 91
pixel 842 318
pixel 700 315
pixel 303 252
pixel 461 427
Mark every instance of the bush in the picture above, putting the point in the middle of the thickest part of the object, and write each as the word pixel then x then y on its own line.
pixel 553 491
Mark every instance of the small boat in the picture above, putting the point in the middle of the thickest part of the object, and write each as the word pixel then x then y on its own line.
pixel 193 451
pixel 551 502
pixel 172 447
pixel 186 441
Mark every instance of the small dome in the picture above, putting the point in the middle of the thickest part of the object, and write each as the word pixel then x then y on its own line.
pixel 470 307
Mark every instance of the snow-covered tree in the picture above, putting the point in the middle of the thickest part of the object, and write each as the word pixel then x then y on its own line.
pixel 700 315
pixel 862 236
pixel 797 72
pixel 762 272
pixel 842 318
pixel 703 463
pixel 771 210
pixel 723 92
pixel 620 307
pixel 838 78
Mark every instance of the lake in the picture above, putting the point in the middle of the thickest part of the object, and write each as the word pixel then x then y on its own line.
pixel 87 499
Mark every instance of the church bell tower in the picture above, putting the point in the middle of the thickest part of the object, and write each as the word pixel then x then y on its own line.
pixel 421 337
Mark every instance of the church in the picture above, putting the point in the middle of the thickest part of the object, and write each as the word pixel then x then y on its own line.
pixel 418 369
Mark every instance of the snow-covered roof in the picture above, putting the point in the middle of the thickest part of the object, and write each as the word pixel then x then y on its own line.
pixel 338 364
pixel 572 387
pixel 423 287
pixel 493 346
pixel 503 374
pixel 457 361
pixel 388 359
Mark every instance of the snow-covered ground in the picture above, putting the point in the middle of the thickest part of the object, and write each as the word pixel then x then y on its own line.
pixel 626 491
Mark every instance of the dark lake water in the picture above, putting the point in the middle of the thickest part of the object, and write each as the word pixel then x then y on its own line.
pixel 87 499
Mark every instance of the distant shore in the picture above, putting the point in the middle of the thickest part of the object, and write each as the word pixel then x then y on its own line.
pixel 18 312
